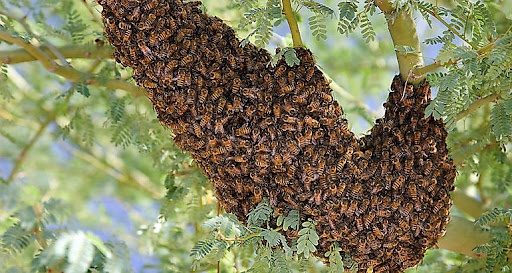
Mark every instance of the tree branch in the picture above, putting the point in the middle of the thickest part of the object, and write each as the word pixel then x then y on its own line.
pixel 292 22
pixel 88 51
pixel 95 18
pixel 27 147
pixel 431 67
pixel 69 72
pixel 462 236
pixel 21 21
pixel 477 104
pixel 434 13
pixel 467 204
pixel 402 28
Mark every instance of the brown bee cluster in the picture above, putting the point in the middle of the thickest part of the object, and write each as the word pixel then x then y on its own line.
pixel 261 131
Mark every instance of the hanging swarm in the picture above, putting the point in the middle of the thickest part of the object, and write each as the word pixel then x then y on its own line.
pixel 260 131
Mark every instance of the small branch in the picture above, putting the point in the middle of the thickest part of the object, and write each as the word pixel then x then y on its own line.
pixel 122 178
pixel 464 152
pixel 480 188
pixel 477 104
pixel 402 28
pixel 69 72
pixel 22 22
pixel 431 67
pixel 434 13
pixel 25 150
pixel 89 51
pixel 292 22
pixel 38 211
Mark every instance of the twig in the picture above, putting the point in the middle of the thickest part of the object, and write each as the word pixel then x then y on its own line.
pixel 346 95
pixel 431 67
pixel 480 189
pixel 434 13
pixel 22 22
pixel 89 51
pixel 27 147
pixel 477 104
pixel 292 22
pixel 122 178
pixel 69 72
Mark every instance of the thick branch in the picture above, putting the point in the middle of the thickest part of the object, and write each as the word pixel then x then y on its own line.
pixel 89 51
pixel 402 28
pixel 462 236
pixel 467 204
pixel 292 22
pixel 69 72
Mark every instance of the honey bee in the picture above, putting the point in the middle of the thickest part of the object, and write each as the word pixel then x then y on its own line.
pixel 219 125
pixel 217 92
pixel 359 223
pixel 403 224
pixel 289 127
pixel 368 218
pixel 341 163
pixel 221 104
pixel 242 131
pixel 146 51
pixel 147 83
pixel 197 130
pixel 309 73
pixel 398 182
pixel 279 71
pixel 377 232
pixel 408 166
pixel 351 209
pixel 149 5
pixel 187 60
pixel 326 97
pixel 134 15
pixel 432 185
pixel 288 89
pixel 437 207
pixel 349 152
pixel 219 150
pixel 311 122
pixel 413 192
pixel 314 106
pixel 203 94
pixel 384 213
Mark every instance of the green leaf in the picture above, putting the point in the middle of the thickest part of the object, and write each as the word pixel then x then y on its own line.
pixel 292 220
pixel 119 261
pixel 16 238
pixel 202 249
pixel 260 214
pixel 271 236
pixel 501 121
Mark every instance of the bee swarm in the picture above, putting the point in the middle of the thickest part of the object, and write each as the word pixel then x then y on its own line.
pixel 261 131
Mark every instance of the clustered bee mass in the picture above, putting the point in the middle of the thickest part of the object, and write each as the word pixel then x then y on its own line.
pixel 259 131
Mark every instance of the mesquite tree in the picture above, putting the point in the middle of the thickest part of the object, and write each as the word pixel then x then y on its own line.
pixel 294 181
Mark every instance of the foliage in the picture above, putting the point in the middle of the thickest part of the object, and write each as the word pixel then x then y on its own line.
pixel 83 195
